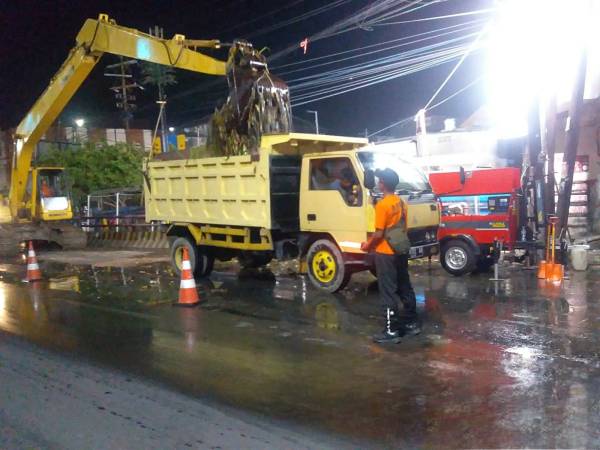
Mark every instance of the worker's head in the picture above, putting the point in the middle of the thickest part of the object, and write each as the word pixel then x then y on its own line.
pixel 388 179
pixel 347 179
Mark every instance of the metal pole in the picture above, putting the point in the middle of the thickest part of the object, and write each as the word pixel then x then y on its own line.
pixel 117 211
pixel 550 146
pixel 421 130
pixel 536 171
pixel 124 94
pixel 570 155
pixel 89 212
pixel 316 113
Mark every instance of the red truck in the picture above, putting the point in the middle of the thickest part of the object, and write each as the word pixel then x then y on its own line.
pixel 479 208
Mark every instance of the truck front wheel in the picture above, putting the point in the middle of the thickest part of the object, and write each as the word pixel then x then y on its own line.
pixel 200 259
pixel 457 258
pixel 326 268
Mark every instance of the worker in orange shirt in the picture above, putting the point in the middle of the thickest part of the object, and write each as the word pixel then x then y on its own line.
pixel 392 268
pixel 46 189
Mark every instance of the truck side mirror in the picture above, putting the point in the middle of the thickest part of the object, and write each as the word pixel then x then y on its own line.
pixel 369 179
pixel 462 175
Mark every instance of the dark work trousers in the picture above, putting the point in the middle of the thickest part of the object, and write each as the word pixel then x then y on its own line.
pixel 394 285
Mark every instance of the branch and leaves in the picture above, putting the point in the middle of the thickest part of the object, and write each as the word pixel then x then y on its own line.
pixel 157 75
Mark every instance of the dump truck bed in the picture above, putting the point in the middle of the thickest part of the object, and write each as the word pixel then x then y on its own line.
pixel 236 190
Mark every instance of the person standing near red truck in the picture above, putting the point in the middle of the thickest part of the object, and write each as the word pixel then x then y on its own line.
pixel 392 267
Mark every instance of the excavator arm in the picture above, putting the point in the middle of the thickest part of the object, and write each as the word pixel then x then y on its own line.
pixel 95 38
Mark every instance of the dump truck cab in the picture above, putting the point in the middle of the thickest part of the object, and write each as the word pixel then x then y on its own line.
pixel 337 206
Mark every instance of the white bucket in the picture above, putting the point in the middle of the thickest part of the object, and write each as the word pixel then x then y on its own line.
pixel 579 259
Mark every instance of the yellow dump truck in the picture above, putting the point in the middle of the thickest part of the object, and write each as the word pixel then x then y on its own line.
pixel 303 196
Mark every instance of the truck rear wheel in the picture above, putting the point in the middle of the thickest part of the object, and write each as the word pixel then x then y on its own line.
pixel 326 268
pixel 457 258
pixel 200 259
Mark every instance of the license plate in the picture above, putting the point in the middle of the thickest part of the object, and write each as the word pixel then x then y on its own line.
pixel 416 252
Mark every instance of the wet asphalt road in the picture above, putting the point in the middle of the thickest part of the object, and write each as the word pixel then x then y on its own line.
pixel 509 365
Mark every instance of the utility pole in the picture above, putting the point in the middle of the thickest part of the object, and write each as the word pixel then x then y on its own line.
pixel 536 167
pixel 549 145
pixel 160 76
pixel 316 113
pixel 421 130
pixel 570 155
pixel 124 100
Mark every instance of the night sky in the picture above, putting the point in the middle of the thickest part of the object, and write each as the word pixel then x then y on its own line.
pixel 37 35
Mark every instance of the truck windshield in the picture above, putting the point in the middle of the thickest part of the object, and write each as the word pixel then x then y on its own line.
pixel 411 178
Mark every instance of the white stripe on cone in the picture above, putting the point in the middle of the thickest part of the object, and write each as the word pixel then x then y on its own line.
pixel 31 253
pixel 33 266
pixel 186 265
pixel 187 284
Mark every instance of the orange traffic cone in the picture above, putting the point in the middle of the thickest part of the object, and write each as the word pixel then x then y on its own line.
pixel 544 263
pixel 188 295
pixel 33 269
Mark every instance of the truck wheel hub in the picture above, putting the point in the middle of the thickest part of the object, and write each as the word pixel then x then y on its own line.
pixel 456 258
pixel 324 266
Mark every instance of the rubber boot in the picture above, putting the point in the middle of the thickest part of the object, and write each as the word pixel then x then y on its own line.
pixel 391 333
pixel 411 327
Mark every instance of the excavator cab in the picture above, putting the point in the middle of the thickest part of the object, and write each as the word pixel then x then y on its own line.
pixel 47 197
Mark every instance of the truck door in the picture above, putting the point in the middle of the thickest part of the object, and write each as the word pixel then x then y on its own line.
pixel 332 198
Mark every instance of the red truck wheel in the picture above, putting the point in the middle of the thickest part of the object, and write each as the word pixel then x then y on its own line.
pixel 457 258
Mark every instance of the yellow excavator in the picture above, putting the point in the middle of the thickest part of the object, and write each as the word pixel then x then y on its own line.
pixel 39 206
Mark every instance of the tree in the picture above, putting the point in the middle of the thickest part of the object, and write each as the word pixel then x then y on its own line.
pixel 95 166
pixel 160 76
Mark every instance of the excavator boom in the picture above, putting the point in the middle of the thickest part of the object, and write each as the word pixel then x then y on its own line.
pixel 95 38
pixel 258 103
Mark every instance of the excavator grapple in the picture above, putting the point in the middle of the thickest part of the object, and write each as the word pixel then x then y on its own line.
pixel 258 103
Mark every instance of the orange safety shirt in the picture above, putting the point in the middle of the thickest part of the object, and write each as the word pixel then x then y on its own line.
pixel 388 211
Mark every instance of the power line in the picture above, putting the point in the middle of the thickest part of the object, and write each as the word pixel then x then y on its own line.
pixel 407 119
pixel 310 60
pixel 357 20
pixel 313 66
pixel 460 91
pixel 375 80
pixel 389 61
pixel 447 16
pixel 256 19
pixel 458 64
pixel 299 18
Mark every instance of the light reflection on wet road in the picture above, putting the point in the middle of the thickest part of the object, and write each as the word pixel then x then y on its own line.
pixel 509 366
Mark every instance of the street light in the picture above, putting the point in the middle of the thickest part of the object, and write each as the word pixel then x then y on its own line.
pixel 80 122
pixel 533 53
pixel 316 113
pixel 171 129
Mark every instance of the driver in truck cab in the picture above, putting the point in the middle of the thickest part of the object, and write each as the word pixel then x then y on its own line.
pixel 46 190
pixel 393 279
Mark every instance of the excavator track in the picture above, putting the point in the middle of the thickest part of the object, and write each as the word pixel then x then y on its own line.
pixel 66 235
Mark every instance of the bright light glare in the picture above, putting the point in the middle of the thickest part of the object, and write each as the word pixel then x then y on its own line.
pixel 534 48
pixel 171 129
pixel 80 122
